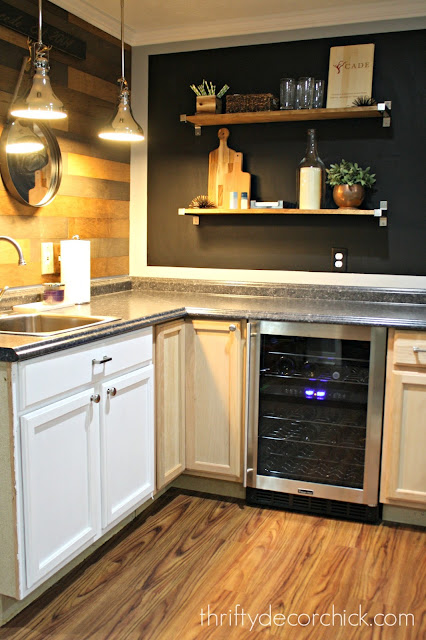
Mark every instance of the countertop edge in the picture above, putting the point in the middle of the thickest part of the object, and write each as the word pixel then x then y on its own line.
pixel 46 346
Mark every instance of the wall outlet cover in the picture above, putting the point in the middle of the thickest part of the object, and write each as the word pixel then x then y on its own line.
pixel 339 259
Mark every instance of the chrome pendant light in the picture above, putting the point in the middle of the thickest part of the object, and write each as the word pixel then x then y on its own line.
pixel 41 103
pixel 123 127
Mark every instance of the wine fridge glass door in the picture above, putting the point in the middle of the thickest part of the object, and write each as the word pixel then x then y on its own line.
pixel 317 429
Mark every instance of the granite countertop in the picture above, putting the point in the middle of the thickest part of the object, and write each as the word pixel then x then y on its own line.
pixel 142 307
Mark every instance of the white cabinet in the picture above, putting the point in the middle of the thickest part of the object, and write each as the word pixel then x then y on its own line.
pixel 83 452
pixel 60 476
pixel 127 443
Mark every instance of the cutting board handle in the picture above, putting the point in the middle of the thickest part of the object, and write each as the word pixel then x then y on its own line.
pixel 223 134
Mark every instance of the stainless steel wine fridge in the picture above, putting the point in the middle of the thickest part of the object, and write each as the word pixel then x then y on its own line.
pixel 315 417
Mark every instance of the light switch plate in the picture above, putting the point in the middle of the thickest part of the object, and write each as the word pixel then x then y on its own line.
pixel 47 262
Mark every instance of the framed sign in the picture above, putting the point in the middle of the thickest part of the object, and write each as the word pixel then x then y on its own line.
pixel 22 22
pixel 350 74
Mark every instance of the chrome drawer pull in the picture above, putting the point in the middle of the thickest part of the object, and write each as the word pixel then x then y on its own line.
pixel 232 327
pixel 112 391
pixel 418 350
pixel 96 398
pixel 104 359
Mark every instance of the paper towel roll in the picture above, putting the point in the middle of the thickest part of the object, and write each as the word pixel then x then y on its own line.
pixel 75 270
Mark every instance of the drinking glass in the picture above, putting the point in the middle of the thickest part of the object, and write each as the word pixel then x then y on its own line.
pixel 306 92
pixel 297 95
pixel 318 99
pixel 287 93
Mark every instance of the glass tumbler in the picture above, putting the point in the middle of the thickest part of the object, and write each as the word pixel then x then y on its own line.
pixel 318 99
pixel 297 95
pixel 306 92
pixel 287 93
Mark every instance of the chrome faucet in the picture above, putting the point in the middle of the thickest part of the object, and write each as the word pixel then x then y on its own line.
pixel 21 260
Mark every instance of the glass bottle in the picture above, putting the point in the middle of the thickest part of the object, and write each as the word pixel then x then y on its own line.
pixel 311 177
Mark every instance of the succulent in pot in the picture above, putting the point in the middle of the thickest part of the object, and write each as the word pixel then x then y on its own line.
pixel 349 181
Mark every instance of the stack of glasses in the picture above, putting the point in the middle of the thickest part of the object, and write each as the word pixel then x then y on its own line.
pixel 304 93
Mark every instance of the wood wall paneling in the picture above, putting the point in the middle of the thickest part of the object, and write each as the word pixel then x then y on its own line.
pixel 93 200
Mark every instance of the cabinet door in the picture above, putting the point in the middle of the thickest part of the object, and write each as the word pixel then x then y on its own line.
pixel 60 469
pixel 214 398
pixel 170 401
pixel 404 444
pixel 127 443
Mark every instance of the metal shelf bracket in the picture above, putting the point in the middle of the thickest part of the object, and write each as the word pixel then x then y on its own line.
pixel 197 127
pixel 385 107
pixel 378 213
pixel 195 218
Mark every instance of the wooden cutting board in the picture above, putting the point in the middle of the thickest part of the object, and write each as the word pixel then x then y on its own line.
pixel 220 162
pixel 236 180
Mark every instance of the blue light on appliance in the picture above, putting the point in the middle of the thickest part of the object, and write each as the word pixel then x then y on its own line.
pixel 318 395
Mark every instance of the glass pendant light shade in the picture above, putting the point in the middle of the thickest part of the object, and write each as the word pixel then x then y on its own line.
pixel 123 127
pixel 40 103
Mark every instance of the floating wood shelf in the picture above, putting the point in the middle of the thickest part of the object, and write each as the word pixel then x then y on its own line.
pixel 199 120
pixel 196 213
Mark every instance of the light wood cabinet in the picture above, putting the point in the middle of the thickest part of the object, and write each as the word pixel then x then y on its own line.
pixel 403 479
pixel 214 397
pixel 170 400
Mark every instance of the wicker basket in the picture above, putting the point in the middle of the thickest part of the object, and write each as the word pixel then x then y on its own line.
pixel 238 103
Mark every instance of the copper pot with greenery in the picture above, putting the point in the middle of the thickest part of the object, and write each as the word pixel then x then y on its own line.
pixel 349 181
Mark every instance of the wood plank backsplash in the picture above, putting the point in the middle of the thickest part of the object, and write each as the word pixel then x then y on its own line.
pixel 93 199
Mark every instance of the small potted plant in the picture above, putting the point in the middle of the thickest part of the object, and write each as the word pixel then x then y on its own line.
pixel 349 181
pixel 207 99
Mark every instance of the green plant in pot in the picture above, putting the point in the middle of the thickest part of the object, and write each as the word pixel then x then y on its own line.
pixel 349 181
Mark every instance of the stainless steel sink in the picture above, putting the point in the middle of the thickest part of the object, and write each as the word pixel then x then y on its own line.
pixel 39 324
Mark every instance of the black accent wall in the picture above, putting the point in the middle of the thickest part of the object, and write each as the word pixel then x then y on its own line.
pixel 178 162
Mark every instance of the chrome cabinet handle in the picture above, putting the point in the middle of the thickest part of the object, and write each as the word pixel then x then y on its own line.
pixel 104 359
pixel 96 398
pixel 232 327
pixel 418 350
pixel 112 392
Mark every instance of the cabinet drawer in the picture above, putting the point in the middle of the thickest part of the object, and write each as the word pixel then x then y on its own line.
pixel 47 377
pixel 410 348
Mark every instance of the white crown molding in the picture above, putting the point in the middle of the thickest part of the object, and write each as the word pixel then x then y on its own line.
pixel 321 17
pixel 97 18
pixel 383 10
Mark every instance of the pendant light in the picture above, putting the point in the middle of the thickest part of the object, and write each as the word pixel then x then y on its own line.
pixel 123 127
pixel 41 103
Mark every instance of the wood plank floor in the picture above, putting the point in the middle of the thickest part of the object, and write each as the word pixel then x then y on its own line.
pixel 191 552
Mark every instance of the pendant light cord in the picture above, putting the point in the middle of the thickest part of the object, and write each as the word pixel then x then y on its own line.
pixel 40 22
pixel 123 80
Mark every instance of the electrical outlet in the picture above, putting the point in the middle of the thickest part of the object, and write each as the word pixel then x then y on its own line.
pixel 47 263
pixel 339 259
